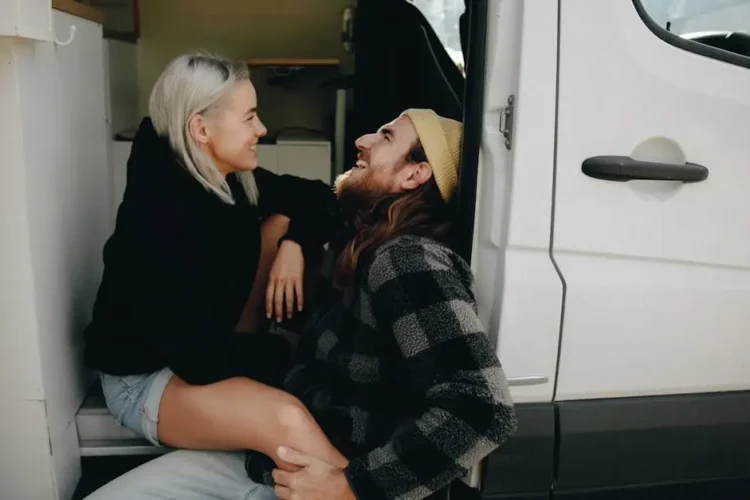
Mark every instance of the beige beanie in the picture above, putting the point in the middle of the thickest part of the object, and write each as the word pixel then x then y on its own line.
pixel 441 141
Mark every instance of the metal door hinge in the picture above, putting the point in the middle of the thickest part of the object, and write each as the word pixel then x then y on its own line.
pixel 506 121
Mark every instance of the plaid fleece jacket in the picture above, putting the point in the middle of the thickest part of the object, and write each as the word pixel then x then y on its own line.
pixel 399 374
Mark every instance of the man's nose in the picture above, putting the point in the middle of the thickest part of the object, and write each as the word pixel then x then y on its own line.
pixel 364 142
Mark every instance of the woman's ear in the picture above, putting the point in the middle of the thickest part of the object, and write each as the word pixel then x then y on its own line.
pixel 198 129
pixel 418 174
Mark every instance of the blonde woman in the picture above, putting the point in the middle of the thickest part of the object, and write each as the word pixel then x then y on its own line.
pixel 206 244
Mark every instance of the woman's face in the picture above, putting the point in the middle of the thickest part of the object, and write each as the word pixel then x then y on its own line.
pixel 230 134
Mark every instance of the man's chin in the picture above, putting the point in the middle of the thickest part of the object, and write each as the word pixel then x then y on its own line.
pixel 349 195
pixel 342 184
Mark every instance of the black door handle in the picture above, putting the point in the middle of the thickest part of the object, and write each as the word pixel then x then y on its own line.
pixel 624 168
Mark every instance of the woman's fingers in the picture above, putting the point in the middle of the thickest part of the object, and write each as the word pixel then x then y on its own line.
pixel 270 289
pixel 300 294
pixel 291 286
pixel 279 300
pixel 277 293
pixel 282 292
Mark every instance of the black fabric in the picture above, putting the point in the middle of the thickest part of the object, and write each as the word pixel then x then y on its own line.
pixel 179 267
pixel 408 68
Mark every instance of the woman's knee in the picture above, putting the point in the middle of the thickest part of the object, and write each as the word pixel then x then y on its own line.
pixel 295 419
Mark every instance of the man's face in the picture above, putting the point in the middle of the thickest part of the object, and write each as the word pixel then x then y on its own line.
pixel 381 166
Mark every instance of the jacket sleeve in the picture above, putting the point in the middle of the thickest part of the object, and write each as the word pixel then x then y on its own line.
pixel 310 205
pixel 168 286
pixel 420 300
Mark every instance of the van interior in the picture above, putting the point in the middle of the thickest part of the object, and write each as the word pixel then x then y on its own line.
pixel 326 72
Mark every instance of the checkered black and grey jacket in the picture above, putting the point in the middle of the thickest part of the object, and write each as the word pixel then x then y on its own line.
pixel 400 375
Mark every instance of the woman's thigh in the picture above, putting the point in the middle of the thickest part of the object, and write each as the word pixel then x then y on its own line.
pixel 187 475
pixel 234 414
pixel 239 414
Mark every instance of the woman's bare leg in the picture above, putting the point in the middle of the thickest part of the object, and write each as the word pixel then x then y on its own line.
pixel 240 414
pixel 254 315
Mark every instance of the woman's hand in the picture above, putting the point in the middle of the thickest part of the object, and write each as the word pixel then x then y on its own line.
pixel 285 281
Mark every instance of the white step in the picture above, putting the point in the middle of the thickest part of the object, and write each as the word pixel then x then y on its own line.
pixel 100 435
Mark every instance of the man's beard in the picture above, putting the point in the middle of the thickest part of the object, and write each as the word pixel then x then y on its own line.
pixel 357 194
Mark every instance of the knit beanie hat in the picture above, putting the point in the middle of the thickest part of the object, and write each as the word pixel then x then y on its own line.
pixel 441 141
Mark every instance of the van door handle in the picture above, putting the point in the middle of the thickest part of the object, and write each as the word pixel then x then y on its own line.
pixel 531 380
pixel 624 168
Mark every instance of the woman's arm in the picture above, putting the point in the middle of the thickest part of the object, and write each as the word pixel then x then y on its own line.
pixel 171 291
pixel 313 212
pixel 311 206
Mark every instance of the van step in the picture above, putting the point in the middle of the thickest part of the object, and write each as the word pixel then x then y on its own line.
pixel 100 435
pixel 110 447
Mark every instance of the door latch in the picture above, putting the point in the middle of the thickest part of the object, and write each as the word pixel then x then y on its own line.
pixel 506 121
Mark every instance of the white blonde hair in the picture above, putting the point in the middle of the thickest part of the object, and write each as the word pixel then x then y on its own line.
pixel 195 84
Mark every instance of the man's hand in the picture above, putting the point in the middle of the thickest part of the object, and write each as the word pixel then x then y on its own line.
pixel 317 480
pixel 285 281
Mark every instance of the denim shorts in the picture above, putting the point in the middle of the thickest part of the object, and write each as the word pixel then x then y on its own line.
pixel 134 400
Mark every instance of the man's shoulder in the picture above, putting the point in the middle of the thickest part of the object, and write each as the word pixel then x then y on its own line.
pixel 418 246
pixel 411 255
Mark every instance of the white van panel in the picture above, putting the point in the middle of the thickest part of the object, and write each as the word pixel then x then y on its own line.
pixel 530 324
pixel 519 291
pixel 55 197
pixel 657 272
pixel 20 366
pixel 25 471
pixel 639 327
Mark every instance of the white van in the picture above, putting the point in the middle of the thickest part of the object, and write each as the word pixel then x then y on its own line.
pixel 605 181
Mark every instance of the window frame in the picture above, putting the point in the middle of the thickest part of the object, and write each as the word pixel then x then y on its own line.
pixel 689 45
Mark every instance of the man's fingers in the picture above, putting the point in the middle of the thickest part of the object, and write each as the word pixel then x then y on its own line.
pixel 282 492
pixel 295 457
pixel 281 477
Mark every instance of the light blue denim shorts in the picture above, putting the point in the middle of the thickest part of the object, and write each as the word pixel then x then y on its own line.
pixel 134 400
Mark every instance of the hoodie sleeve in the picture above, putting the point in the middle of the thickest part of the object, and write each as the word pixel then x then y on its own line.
pixel 310 205
pixel 168 284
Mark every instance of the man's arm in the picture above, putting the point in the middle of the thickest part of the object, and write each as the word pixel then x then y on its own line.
pixel 422 297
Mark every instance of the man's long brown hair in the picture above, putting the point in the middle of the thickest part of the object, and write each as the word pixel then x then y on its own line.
pixel 421 212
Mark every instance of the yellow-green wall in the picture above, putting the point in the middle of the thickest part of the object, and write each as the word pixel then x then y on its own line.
pixel 244 29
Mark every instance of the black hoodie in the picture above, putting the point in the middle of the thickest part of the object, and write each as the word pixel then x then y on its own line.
pixel 180 264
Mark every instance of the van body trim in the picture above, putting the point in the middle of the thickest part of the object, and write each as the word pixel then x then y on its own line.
pixel 657 442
